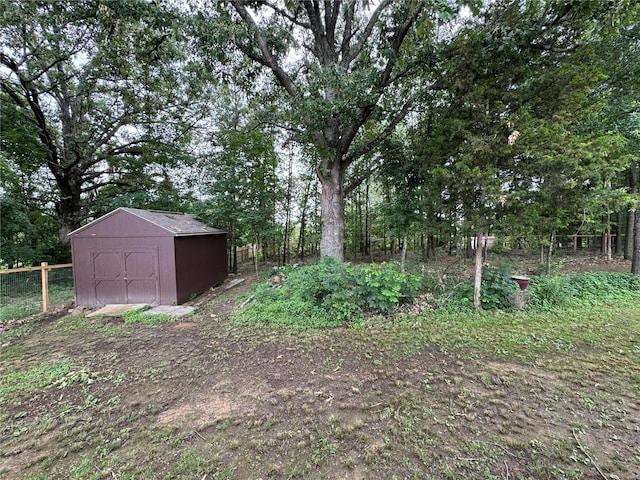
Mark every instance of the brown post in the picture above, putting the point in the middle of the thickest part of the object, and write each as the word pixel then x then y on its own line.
pixel 44 271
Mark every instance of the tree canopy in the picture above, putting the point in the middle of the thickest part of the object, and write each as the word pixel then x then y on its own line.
pixel 101 88
pixel 444 119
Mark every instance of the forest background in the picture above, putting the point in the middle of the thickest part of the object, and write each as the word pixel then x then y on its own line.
pixel 340 128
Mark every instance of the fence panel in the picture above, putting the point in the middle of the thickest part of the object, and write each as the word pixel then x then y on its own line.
pixel 244 254
pixel 22 293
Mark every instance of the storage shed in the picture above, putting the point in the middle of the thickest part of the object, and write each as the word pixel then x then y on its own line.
pixel 146 256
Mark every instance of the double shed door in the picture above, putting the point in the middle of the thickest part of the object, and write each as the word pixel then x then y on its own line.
pixel 126 276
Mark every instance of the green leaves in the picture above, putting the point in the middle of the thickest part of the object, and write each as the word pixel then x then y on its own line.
pixel 582 290
pixel 331 293
pixel 382 286
pixel 106 94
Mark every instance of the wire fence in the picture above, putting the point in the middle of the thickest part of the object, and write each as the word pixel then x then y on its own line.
pixel 22 290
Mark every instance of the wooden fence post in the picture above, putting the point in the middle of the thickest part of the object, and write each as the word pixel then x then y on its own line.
pixel 44 271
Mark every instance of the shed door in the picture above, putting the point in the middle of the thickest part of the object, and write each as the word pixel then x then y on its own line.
pixel 126 276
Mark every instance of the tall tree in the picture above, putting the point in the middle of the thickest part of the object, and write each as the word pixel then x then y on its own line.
pixel 98 83
pixel 239 181
pixel 401 175
pixel 344 66
pixel 523 67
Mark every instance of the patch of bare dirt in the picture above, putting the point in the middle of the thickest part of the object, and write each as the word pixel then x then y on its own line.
pixel 230 396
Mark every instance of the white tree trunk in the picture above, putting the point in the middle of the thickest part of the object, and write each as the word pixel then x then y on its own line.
pixel 403 256
pixel 635 263
pixel 477 286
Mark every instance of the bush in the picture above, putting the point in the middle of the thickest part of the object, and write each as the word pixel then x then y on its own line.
pixel 496 293
pixel 497 288
pixel 546 292
pixel 586 288
pixel 330 293
pixel 381 287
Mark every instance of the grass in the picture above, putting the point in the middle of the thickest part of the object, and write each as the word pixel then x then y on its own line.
pixel 550 393
pixel 32 304
pixel 139 316
pixel 525 335
pixel 39 377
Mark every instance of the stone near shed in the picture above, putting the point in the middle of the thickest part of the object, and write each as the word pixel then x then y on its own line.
pixel 171 310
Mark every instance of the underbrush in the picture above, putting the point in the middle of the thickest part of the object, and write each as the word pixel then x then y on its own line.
pixel 332 293
pixel 543 293
pixel 329 293
pixel 582 290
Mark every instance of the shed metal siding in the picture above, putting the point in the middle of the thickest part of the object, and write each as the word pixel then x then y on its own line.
pixel 201 262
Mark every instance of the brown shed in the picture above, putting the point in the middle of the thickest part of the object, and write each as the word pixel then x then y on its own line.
pixel 146 256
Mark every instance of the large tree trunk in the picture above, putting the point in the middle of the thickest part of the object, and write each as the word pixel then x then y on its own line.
pixel 70 213
pixel 635 264
pixel 332 214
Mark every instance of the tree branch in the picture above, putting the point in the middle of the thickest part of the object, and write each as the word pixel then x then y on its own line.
pixel 366 33
pixel 15 96
pixel 271 62
pixel 324 51
pixel 285 14
pixel 347 35
pixel 395 48
pixel 357 181
pixel 383 135
pixel 331 11
pixel 32 102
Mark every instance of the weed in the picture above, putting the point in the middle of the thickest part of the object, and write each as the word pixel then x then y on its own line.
pixel 497 288
pixel 584 289
pixel 42 376
pixel 330 293
pixel 139 316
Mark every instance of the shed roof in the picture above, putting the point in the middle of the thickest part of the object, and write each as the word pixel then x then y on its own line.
pixel 178 224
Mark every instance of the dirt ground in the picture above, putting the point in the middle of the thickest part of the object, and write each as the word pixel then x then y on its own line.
pixel 206 398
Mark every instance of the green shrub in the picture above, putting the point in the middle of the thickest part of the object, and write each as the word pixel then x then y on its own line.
pixel 496 293
pixel 586 288
pixel 330 293
pixel 591 287
pixel 381 287
pixel 544 292
pixel 548 292
pixel 497 288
